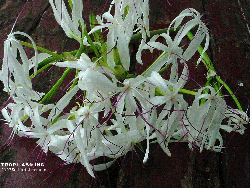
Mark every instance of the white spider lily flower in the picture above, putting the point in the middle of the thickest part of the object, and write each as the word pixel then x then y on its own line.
pixel 136 89
pixel 128 130
pixel 132 90
pixel 148 116
pixel 69 25
pixel 23 93
pixel 236 122
pixel 80 140
pixel 83 64
pixel 20 87
pixel 87 118
pixel 205 120
pixel 88 149
pixel 39 126
pixel 12 67
pixel 169 127
pixel 201 33
pixel 64 145
pixel 87 134
pixel 174 113
pixel 139 11
pixel 44 132
pixel 174 107
pixel 121 29
pixel 83 144
pixel 116 35
pixel 169 88
pixel 172 86
pixel 15 113
pixel 172 50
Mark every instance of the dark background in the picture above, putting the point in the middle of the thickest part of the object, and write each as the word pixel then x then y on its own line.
pixel 230 52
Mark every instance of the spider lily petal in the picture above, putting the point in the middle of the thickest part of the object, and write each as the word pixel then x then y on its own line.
pixel 205 120
pixel 201 32
pixel 236 122
pixel 69 25
pixel 12 67
pixel 62 103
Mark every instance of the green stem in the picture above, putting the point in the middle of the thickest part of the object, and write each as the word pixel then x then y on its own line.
pixel 80 51
pixel 75 82
pixel 186 91
pixel 91 42
pixel 210 67
pixel 40 70
pixel 205 58
pixel 54 89
pixel 206 90
pixel 78 55
pixel 230 92
pixel 70 4
pixel 163 69
pixel 163 54
pixel 41 49
pixel 47 61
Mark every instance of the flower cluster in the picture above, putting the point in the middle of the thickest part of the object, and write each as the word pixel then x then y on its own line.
pixel 117 109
